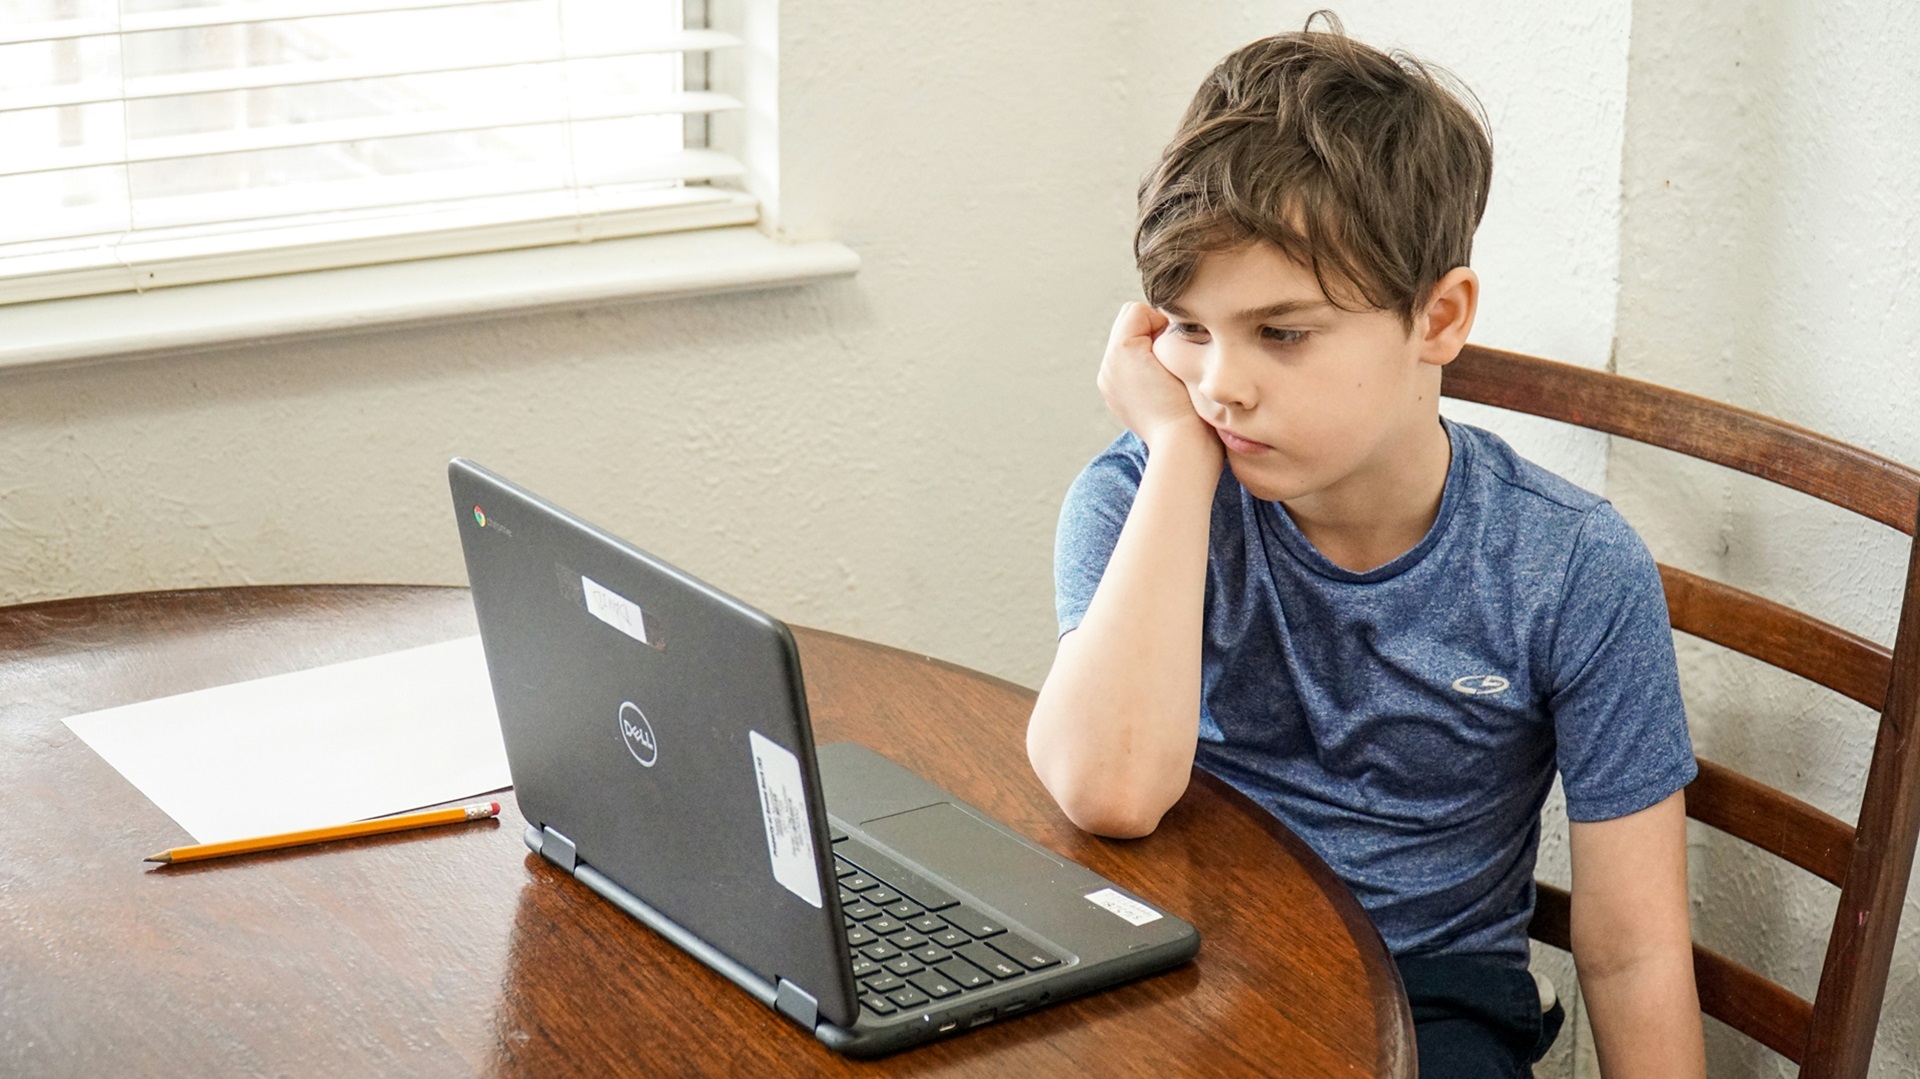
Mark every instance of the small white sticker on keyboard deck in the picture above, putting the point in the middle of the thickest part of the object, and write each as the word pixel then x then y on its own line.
pixel 614 609
pixel 1135 912
pixel 783 808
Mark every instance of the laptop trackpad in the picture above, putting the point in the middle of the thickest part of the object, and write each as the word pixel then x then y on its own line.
pixel 961 847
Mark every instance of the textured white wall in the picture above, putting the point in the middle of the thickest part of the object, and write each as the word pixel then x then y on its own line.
pixel 1771 246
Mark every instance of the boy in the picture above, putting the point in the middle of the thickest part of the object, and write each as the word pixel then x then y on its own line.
pixel 1386 628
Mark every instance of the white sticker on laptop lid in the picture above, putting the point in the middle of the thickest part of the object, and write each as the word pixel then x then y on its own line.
pixel 614 609
pixel 783 809
pixel 1133 911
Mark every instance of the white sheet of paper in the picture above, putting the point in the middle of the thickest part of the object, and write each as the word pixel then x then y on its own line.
pixel 312 748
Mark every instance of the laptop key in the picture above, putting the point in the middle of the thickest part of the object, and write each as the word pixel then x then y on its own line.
pixel 859 936
pixel 843 868
pixel 906 910
pixel 884 925
pixel 882 896
pixel 860 912
pixel 904 964
pixel 862 966
pixel 1023 951
pixel 916 887
pixel 990 961
pixel 859 882
pixel 906 940
pixel 934 985
pixel 908 997
pixel 885 983
pixel 965 974
pixel 925 923
pixel 951 937
pixel 931 954
pixel 879 1005
pixel 880 952
pixel 973 921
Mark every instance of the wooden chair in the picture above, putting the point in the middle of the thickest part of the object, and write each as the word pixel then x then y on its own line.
pixel 1833 1035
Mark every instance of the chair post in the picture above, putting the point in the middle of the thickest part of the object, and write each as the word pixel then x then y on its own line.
pixel 1853 981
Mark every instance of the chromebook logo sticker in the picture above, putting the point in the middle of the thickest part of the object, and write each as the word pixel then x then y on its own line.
pixel 479 517
pixel 637 733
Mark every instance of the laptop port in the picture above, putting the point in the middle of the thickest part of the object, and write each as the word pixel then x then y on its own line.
pixel 952 1025
pixel 981 1019
pixel 1013 1005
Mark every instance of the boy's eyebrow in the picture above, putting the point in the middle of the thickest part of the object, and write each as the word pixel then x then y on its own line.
pixel 1258 314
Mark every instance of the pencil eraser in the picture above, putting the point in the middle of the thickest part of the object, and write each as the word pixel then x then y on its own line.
pixel 495 806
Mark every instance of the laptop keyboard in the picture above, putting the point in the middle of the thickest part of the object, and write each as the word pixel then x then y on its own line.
pixel 910 942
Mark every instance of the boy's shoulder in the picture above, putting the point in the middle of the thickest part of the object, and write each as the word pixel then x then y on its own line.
pixel 1491 462
pixel 1509 492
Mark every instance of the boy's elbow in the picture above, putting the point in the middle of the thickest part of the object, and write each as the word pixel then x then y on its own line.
pixel 1098 805
pixel 1114 822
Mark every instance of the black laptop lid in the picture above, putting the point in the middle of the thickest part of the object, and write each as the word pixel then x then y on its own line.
pixel 655 723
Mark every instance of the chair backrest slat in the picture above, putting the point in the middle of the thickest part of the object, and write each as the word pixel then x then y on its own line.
pixel 1782 636
pixel 1758 445
pixel 1761 1009
pixel 1771 820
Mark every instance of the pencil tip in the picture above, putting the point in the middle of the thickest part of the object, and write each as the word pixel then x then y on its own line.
pixel 164 857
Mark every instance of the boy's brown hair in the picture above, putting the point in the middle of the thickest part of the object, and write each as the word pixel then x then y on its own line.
pixel 1363 166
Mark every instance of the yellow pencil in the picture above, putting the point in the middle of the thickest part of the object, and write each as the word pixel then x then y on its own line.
pixel 478 811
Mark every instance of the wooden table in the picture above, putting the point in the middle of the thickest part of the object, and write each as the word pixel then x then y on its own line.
pixel 455 952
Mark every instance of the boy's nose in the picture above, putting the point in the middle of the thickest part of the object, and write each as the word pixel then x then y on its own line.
pixel 1224 380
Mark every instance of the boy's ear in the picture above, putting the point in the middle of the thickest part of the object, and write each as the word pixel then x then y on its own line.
pixel 1443 325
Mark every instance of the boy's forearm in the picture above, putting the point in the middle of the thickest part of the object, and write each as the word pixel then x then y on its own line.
pixel 1113 733
pixel 1646 1020
pixel 1632 943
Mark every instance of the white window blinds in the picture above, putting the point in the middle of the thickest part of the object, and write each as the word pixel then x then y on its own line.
pixel 159 142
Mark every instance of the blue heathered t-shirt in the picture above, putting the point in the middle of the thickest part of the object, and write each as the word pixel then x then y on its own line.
pixel 1407 721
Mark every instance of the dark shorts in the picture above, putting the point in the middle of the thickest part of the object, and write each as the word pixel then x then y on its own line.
pixel 1475 1020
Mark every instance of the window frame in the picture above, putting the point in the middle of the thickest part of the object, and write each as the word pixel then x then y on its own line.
pixel 710 245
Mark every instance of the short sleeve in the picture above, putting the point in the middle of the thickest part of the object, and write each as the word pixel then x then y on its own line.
pixel 1618 718
pixel 1090 521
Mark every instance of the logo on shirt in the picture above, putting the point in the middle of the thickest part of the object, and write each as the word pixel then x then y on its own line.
pixel 1479 685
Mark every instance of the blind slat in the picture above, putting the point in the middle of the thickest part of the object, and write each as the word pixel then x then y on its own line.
pixel 422 232
pixel 191 18
pixel 271 75
pixel 403 125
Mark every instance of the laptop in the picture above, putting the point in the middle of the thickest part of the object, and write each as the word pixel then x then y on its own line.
pixel 657 733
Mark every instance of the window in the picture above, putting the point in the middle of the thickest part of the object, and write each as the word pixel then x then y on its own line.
pixel 165 142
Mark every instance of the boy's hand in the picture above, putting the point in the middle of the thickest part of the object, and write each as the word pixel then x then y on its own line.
pixel 1138 388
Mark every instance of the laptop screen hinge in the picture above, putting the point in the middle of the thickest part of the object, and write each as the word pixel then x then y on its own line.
pixel 797 1004
pixel 557 848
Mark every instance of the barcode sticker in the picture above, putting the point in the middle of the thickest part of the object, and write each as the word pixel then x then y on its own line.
pixel 1133 911
pixel 783 809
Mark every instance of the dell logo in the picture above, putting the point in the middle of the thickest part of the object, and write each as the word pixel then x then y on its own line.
pixel 1479 685
pixel 637 733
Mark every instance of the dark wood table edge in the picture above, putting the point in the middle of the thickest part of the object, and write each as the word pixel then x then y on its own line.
pixel 1385 988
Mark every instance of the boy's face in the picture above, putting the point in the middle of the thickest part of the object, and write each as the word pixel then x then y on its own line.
pixel 1308 398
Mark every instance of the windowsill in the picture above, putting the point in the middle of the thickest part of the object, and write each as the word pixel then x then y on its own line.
pixel 190 317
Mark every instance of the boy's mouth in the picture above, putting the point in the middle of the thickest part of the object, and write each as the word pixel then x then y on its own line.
pixel 1237 444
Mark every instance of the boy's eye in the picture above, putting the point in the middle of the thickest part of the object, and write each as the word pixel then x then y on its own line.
pixel 1283 337
pixel 1189 329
